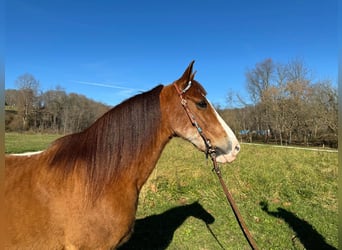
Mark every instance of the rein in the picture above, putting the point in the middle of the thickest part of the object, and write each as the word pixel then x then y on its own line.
pixel 210 151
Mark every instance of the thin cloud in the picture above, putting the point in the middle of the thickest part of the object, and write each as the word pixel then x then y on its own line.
pixel 106 85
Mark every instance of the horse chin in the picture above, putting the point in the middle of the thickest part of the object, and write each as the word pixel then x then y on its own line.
pixel 225 158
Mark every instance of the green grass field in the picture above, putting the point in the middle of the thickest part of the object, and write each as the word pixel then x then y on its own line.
pixel 288 198
pixel 22 142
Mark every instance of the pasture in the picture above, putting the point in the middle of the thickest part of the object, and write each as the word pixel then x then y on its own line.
pixel 287 197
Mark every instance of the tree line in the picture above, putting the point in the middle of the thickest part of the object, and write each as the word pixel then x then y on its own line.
pixel 53 111
pixel 287 106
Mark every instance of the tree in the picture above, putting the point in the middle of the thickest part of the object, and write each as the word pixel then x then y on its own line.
pixel 52 111
pixel 288 102
pixel 259 79
pixel 325 103
pixel 28 87
pixel 54 102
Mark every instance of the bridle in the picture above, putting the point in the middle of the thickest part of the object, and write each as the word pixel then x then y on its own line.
pixel 210 151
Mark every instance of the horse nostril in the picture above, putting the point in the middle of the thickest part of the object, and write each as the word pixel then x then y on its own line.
pixel 237 148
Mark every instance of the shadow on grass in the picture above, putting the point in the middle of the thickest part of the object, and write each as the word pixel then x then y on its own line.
pixel 305 232
pixel 156 231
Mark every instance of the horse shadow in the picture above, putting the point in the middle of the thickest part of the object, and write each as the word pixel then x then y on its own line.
pixel 305 232
pixel 156 231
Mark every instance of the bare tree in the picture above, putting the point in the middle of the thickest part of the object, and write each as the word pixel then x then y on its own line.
pixel 28 87
pixel 288 102
pixel 297 71
pixel 55 102
pixel 259 79
pixel 325 107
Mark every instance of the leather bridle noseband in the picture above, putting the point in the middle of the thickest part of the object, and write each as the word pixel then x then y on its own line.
pixel 210 151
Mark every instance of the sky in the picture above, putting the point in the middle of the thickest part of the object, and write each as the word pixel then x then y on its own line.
pixel 111 50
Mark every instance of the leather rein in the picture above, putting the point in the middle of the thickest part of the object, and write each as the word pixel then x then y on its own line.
pixel 210 151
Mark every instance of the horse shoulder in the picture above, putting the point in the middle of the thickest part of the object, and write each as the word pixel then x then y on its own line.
pixel 104 224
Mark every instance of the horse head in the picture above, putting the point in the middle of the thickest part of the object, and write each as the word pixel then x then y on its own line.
pixel 194 118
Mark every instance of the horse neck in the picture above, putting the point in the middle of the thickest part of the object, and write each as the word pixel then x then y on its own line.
pixel 151 155
pixel 155 134
pixel 152 149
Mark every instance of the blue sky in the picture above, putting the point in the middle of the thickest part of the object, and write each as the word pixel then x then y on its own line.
pixel 110 50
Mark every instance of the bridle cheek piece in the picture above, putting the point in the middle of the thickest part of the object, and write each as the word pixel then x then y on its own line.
pixel 210 150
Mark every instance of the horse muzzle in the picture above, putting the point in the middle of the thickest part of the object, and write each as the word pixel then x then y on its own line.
pixel 229 155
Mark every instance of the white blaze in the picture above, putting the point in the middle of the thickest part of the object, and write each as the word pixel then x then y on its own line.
pixel 233 143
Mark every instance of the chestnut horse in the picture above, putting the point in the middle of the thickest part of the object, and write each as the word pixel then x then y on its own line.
pixel 82 192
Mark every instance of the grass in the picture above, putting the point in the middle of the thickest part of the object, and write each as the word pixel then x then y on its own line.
pixel 25 142
pixel 287 197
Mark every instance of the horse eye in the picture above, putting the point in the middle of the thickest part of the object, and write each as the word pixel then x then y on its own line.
pixel 202 104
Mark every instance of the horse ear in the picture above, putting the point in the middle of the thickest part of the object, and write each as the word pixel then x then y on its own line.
pixel 192 77
pixel 187 76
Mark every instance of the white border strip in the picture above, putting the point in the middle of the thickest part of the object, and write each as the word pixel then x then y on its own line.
pixel 27 153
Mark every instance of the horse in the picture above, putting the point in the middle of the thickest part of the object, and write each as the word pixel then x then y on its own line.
pixel 82 191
